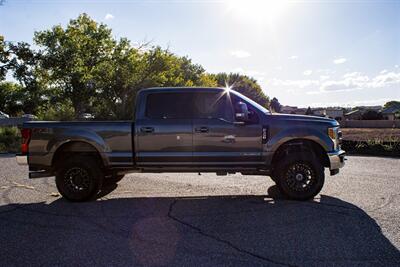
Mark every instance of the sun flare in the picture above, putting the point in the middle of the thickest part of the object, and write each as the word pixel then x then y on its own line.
pixel 258 11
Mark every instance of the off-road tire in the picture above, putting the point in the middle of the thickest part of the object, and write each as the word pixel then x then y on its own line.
pixel 79 178
pixel 299 176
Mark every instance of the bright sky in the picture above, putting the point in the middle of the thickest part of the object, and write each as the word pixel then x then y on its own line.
pixel 318 53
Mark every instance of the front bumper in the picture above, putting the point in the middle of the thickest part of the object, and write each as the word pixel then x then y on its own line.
pixel 336 159
pixel 21 159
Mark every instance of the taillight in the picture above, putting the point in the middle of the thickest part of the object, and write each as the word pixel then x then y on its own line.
pixel 26 137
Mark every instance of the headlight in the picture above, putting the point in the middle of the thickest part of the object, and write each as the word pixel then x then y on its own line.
pixel 333 133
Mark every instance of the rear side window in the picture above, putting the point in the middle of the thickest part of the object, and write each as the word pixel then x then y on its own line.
pixel 212 106
pixel 168 106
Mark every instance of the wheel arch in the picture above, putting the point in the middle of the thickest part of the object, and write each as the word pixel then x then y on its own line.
pixel 303 146
pixel 72 148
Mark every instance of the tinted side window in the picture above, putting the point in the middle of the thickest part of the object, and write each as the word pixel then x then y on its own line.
pixel 212 106
pixel 168 106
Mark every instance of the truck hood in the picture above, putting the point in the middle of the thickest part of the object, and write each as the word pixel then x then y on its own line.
pixel 303 118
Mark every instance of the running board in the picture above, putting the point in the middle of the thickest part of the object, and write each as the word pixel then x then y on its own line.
pixel 40 174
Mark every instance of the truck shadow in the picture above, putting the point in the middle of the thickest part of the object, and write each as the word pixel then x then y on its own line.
pixel 203 230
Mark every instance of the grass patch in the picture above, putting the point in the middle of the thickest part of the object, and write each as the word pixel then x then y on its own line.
pixel 367 134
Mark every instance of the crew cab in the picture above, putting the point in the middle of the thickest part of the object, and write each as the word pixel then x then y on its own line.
pixel 185 130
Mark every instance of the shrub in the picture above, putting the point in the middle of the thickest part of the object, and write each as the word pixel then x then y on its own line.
pixel 60 112
pixel 10 139
pixel 374 147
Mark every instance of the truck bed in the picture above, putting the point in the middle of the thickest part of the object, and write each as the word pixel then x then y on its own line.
pixel 112 139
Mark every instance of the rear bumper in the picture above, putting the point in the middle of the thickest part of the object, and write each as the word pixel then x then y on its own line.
pixel 336 159
pixel 21 159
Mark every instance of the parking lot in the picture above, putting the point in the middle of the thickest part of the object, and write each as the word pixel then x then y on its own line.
pixel 187 219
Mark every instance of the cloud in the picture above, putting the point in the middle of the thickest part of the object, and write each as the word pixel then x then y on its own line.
pixel 388 78
pixel 307 72
pixel 325 71
pixel 258 75
pixel 338 86
pixel 352 74
pixel 108 16
pixel 293 57
pixel 339 60
pixel 293 83
pixel 348 82
pixel 373 102
pixel 357 81
pixel 240 53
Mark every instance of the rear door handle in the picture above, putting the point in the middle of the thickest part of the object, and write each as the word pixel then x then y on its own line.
pixel 147 129
pixel 201 130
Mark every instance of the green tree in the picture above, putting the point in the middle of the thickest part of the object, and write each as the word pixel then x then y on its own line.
pixel 71 57
pixel 25 65
pixel 391 104
pixel 101 75
pixel 243 84
pixel 82 68
pixel 22 61
pixel 4 55
pixel 133 68
pixel 12 98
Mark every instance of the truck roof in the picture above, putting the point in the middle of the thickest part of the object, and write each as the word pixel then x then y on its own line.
pixel 177 89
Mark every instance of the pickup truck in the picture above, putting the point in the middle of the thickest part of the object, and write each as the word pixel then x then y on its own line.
pixel 185 130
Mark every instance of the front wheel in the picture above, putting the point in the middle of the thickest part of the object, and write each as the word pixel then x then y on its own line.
pixel 79 178
pixel 300 176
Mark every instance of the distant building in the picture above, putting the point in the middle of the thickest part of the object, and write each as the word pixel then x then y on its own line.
pixel 319 112
pixel 335 113
pixel 339 113
pixel 288 109
pixel 300 111
pixel 353 115
pixel 374 108
pixel 390 113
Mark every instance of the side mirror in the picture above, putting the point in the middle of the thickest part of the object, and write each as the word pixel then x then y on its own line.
pixel 241 112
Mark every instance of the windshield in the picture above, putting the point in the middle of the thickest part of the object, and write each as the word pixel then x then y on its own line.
pixel 251 102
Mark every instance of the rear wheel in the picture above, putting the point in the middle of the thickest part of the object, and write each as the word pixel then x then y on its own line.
pixel 79 178
pixel 300 176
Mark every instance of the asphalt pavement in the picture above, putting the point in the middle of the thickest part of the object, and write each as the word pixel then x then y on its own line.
pixel 204 220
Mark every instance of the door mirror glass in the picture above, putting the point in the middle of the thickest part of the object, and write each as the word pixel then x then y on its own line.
pixel 241 112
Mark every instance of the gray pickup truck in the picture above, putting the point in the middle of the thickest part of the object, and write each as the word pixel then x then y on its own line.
pixel 185 130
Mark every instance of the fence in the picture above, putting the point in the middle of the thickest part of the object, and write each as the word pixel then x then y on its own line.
pixel 370 124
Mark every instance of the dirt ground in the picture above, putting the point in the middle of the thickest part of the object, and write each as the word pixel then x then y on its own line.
pixel 364 134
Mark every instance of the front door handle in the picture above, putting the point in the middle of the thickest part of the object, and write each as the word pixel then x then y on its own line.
pixel 201 130
pixel 147 129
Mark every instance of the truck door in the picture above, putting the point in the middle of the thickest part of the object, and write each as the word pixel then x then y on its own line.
pixel 217 138
pixel 164 131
